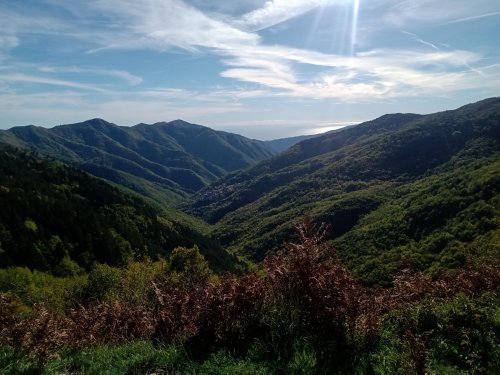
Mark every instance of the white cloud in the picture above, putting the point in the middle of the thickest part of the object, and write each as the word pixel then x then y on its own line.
pixel 404 13
pixel 373 74
pixel 266 70
pixel 472 18
pixel 420 40
pixel 127 77
pixel 30 79
pixel 277 11
pixel 162 25
pixel 230 8
pixel 8 41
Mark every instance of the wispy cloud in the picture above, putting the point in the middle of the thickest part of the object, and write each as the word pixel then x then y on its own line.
pixel 162 25
pixel 277 11
pixel 8 41
pixel 30 79
pixel 248 60
pixel 127 77
pixel 402 13
pixel 367 75
pixel 472 18
pixel 420 40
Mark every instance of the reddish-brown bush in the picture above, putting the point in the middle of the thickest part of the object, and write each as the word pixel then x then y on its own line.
pixel 306 278
pixel 8 319
pixel 115 322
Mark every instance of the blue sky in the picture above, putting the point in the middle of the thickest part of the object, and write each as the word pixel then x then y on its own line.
pixel 264 69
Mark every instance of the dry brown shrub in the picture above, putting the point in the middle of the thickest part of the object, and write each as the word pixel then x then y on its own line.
pixel 306 276
pixel 98 324
pixel 229 306
pixel 8 319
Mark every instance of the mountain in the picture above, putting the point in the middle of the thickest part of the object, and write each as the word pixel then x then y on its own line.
pixel 388 187
pixel 54 216
pixel 282 144
pixel 95 279
pixel 165 161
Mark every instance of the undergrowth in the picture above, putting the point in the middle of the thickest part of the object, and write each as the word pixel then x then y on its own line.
pixel 305 314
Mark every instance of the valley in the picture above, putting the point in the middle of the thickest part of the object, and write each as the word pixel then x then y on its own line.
pixel 204 241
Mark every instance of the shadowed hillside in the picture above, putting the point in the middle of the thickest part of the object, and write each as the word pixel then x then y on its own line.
pixel 59 219
pixel 165 161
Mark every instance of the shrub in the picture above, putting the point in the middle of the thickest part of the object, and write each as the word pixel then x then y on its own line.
pixel 305 312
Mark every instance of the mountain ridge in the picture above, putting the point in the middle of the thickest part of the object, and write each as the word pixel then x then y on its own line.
pixel 341 178
pixel 167 159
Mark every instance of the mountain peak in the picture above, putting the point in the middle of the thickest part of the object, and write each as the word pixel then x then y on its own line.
pixel 180 122
pixel 95 123
pixel 98 120
pixel 175 123
pixel 171 159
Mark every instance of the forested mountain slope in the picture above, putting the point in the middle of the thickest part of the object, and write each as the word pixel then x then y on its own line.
pixel 282 144
pixel 54 217
pixel 165 161
pixel 400 163
pixel 403 193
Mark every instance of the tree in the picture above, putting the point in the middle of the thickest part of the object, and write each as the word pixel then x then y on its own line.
pixel 189 266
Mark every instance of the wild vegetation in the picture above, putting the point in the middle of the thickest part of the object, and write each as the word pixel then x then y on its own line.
pixel 402 277
pixel 402 187
pixel 59 219
pixel 304 314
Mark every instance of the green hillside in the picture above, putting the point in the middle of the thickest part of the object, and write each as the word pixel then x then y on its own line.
pixel 54 217
pixel 96 279
pixel 165 161
pixel 282 144
pixel 374 183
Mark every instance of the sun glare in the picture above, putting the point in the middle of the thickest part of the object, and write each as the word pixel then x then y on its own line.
pixel 354 25
pixel 345 26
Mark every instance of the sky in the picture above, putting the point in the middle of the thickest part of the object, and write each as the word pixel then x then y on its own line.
pixel 264 69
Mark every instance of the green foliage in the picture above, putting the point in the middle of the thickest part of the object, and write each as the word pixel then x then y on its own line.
pixel 30 225
pixel 434 224
pixel 402 191
pixel 164 161
pixel 14 363
pixel 136 280
pixel 130 284
pixel 306 314
pixel 223 363
pixel 456 337
pixel 188 266
pixel 68 267
pixel 34 287
pixel 399 189
pixel 58 219
pixel 303 361
pixel 103 280
pixel 130 358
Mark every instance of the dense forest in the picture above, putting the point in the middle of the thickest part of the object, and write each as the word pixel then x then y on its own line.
pixel 164 161
pixel 370 250
pixel 400 186
pixel 59 219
